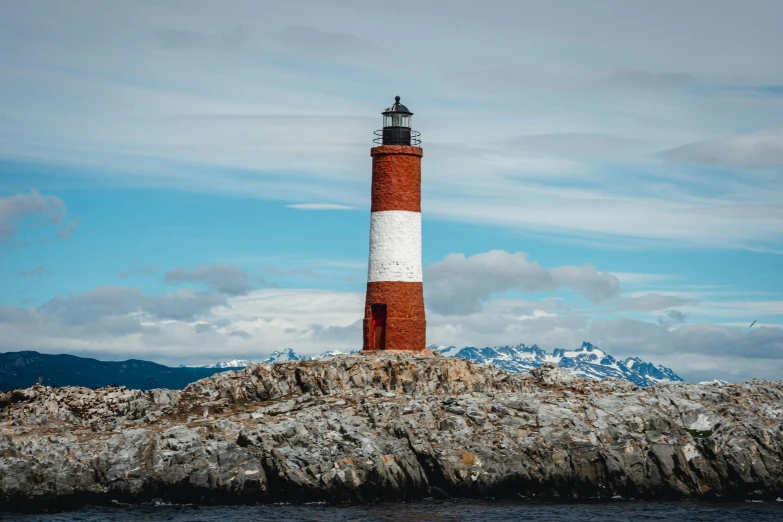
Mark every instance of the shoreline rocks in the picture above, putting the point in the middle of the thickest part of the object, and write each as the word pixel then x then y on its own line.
pixel 389 426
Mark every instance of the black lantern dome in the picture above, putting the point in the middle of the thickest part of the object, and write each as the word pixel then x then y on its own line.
pixel 397 126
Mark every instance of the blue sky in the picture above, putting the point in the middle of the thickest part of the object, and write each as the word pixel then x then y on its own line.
pixel 188 182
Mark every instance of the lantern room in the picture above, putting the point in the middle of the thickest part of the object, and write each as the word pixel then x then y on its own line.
pixel 397 126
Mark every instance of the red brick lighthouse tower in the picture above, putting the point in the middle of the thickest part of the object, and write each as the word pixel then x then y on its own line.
pixel 394 310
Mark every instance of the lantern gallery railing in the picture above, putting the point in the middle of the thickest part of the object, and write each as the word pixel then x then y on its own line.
pixel 397 136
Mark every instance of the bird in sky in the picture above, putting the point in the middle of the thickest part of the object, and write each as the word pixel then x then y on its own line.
pixel 751 324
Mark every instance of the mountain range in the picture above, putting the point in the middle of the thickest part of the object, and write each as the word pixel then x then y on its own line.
pixel 587 361
pixel 223 365
pixel 23 369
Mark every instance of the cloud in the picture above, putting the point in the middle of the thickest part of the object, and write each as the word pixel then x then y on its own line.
pixel 640 79
pixel 145 270
pixel 115 301
pixel 343 335
pixel 203 328
pixel 67 229
pixel 184 304
pixel 185 327
pixel 277 124
pixel 461 285
pixel 314 42
pixel 751 151
pixel 640 278
pixel 672 317
pixel 227 279
pixel 701 351
pixel 40 209
pixel 651 302
pixel 698 351
pixel 193 328
pixel 578 145
pixel 189 40
pixel 35 272
pixel 587 281
pixel 319 206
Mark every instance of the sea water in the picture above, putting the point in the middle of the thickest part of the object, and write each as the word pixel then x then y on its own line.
pixel 423 511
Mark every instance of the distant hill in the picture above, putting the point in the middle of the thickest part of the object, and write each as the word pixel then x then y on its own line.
pixel 22 370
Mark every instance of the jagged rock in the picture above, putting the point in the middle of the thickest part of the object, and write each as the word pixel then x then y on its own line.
pixel 389 426
pixel 550 373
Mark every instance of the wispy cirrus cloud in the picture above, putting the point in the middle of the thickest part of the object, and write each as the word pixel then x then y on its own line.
pixel 752 151
pixel 542 123
pixel 651 302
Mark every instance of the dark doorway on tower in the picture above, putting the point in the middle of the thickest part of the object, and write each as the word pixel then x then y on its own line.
pixel 379 326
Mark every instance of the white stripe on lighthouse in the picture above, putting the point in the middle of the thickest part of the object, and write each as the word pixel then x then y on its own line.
pixel 395 246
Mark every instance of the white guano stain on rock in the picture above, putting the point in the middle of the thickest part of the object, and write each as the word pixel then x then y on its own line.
pixel 703 422
pixel 690 452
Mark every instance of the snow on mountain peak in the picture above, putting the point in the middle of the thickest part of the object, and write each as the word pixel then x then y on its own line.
pixel 282 356
pixel 233 363
pixel 587 361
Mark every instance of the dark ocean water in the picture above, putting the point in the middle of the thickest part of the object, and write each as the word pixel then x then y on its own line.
pixel 424 511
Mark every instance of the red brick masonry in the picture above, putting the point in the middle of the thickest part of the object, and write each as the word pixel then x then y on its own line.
pixel 396 185
pixel 396 178
pixel 405 323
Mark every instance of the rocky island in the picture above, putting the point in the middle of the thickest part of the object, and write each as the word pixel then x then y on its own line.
pixel 389 426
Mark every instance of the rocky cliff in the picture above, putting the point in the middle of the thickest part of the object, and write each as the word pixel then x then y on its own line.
pixel 360 428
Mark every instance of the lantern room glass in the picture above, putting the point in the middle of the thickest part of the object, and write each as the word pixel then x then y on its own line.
pixel 396 119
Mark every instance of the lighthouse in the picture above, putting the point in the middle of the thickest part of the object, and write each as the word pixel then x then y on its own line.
pixel 394 307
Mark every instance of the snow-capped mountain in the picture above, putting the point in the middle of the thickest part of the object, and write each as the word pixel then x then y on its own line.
pixel 588 361
pixel 290 355
pixel 513 359
pixel 277 356
pixel 282 356
pixel 234 363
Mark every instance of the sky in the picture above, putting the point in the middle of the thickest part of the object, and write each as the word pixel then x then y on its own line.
pixel 188 181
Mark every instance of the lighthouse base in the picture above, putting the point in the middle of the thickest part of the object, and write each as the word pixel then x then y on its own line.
pixel 394 317
pixel 401 334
